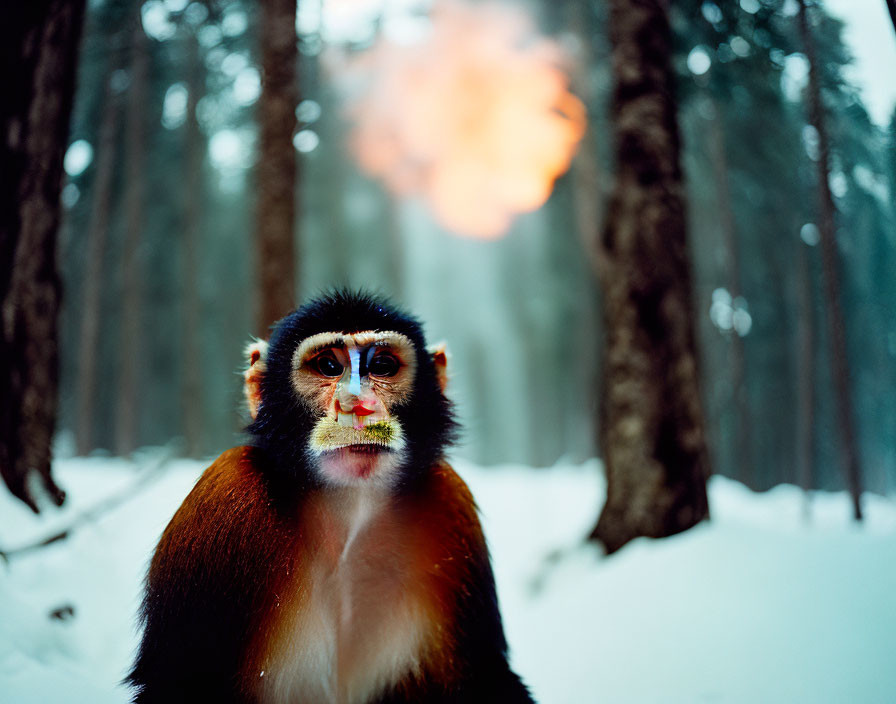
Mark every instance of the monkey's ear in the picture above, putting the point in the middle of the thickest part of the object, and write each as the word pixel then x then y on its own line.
pixel 256 353
pixel 439 354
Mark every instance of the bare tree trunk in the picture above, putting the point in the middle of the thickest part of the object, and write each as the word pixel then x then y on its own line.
pixel 97 237
pixel 276 170
pixel 830 268
pixel 652 430
pixel 131 274
pixel 191 385
pixel 743 446
pixel 40 47
pixel 805 364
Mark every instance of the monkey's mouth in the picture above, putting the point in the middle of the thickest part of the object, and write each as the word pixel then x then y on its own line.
pixel 350 463
pixel 358 420
pixel 367 449
pixel 329 435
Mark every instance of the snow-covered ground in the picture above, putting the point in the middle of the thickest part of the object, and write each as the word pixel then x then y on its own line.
pixel 756 606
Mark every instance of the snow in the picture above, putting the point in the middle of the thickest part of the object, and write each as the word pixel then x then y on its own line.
pixel 757 605
pixel 868 33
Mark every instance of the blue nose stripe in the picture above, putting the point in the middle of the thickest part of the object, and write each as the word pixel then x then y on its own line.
pixel 354 383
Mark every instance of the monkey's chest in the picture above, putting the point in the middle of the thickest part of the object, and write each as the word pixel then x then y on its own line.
pixel 359 618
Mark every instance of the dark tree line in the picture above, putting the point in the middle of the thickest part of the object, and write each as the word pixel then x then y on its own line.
pixel 43 47
pixel 163 283
pixel 772 180
pixel 754 37
pixel 840 372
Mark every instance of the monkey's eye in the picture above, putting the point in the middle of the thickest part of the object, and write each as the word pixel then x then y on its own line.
pixel 326 364
pixel 383 364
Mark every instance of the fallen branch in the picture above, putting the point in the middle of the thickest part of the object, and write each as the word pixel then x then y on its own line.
pixel 106 505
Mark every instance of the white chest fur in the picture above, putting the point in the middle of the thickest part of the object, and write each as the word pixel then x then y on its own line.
pixel 355 625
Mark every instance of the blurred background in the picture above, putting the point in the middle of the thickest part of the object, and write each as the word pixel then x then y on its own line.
pixel 225 160
pixel 492 248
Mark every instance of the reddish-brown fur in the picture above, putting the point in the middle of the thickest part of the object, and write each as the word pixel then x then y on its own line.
pixel 232 531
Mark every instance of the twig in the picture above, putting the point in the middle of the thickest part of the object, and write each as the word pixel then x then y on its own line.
pixel 106 505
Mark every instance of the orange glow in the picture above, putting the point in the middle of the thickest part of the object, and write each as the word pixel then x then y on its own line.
pixel 476 118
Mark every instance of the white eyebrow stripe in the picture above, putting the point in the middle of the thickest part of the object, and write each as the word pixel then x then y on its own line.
pixel 388 337
pixel 321 339
pixel 361 339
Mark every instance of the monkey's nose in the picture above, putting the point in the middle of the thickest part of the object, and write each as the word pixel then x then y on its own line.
pixel 355 406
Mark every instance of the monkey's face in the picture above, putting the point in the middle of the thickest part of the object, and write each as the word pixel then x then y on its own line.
pixel 336 398
pixel 352 383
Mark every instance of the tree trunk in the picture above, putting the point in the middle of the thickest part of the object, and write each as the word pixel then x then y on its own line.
pixel 840 371
pixel 131 274
pixel 805 364
pixel 276 170
pixel 40 47
pixel 191 384
pixel 97 236
pixel 742 464
pixel 652 431
pixel 891 6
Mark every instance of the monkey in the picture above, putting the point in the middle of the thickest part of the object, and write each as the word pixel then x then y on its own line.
pixel 336 557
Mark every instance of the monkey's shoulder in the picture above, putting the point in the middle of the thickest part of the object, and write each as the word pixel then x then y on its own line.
pixel 213 573
pixel 229 485
pixel 445 497
pixel 235 475
pixel 445 481
pixel 228 521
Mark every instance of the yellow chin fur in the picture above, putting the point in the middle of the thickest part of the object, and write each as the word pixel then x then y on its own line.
pixel 329 435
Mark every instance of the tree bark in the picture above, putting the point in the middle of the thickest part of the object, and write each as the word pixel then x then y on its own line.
pixel 40 46
pixel 742 455
pixel 805 364
pixel 840 370
pixel 652 430
pixel 131 274
pixel 97 236
pixel 276 171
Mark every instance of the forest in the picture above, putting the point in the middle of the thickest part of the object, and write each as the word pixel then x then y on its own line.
pixel 658 240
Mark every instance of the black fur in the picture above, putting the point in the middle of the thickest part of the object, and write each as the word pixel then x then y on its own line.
pixel 283 424
pixel 195 623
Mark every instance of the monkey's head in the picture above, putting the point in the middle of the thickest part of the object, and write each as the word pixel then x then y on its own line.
pixel 346 393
